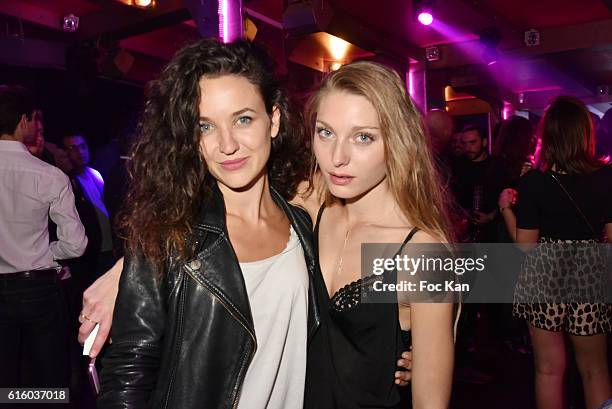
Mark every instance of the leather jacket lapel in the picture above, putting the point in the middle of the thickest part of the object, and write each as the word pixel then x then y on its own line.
pixel 216 265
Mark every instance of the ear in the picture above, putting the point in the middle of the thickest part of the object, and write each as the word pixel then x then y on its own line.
pixel 485 142
pixel 23 121
pixel 276 117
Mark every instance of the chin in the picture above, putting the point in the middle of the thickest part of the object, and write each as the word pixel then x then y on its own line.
pixel 240 180
pixel 344 192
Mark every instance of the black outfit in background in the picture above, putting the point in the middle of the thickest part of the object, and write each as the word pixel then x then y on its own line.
pixel 569 268
pixel 34 322
pixel 543 205
pixel 186 340
pixel 94 262
pixel 491 175
pixel 353 357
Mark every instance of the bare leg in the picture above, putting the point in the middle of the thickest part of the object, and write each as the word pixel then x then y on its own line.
pixel 592 361
pixel 549 355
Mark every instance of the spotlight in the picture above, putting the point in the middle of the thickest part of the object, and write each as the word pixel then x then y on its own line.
pixel 70 23
pixel 143 3
pixel 425 18
pixel 424 11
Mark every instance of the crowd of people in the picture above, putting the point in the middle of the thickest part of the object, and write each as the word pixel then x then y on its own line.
pixel 242 222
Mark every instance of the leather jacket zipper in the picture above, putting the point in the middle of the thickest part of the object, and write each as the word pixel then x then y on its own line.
pixel 177 345
pixel 238 384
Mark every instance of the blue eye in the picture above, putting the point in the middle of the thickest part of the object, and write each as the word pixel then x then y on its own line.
pixel 205 127
pixel 244 120
pixel 364 138
pixel 324 132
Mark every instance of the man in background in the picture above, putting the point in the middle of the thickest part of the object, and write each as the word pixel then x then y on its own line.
pixel 33 327
pixel 88 186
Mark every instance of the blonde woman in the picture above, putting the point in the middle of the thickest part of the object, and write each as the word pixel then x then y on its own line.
pixel 380 185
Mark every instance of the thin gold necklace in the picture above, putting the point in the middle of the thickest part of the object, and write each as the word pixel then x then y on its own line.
pixel 346 236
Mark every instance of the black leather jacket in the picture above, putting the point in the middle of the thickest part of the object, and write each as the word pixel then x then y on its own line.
pixel 186 340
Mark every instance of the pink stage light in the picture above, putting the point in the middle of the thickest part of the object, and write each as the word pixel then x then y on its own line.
pixel 222 11
pixel 425 18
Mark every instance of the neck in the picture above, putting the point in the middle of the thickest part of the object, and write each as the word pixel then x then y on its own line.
pixel 481 157
pixel 368 208
pixel 250 204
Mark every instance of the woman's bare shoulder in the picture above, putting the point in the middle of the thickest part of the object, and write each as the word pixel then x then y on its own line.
pixel 422 236
pixel 308 196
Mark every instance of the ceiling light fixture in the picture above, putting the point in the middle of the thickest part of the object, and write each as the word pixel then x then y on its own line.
pixel 424 11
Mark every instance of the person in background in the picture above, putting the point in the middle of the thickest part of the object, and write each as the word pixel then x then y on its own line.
pixel 603 146
pixel 456 145
pixel 478 180
pixel 440 126
pixel 515 147
pixel 33 327
pixel 89 192
pixel 566 199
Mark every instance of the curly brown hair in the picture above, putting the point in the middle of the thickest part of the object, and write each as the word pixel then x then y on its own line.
pixel 169 183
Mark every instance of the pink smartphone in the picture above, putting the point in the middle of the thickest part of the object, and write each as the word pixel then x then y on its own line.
pixel 92 372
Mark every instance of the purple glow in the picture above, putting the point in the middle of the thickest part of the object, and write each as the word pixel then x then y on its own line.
pixel 520 74
pixel 222 12
pixel 230 20
pixel 508 110
pixel 425 18
pixel 492 62
pixel 410 82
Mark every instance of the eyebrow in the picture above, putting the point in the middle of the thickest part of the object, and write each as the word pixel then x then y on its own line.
pixel 355 128
pixel 239 112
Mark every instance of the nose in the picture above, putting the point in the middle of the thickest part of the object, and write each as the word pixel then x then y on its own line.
pixel 227 143
pixel 340 155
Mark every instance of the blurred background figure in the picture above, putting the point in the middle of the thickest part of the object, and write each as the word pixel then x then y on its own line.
pixel 440 126
pixel 88 186
pixel 515 147
pixel 603 144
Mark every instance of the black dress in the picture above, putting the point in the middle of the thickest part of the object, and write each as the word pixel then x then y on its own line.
pixel 352 358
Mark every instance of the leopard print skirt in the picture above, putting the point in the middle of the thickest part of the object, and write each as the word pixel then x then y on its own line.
pixel 571 271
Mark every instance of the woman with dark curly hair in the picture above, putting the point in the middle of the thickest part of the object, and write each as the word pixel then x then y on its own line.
pixel 213 304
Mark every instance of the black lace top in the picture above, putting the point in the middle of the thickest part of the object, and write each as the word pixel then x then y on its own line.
pixel 352 360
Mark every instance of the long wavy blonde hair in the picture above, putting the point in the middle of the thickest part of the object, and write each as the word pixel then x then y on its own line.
pixel 412 175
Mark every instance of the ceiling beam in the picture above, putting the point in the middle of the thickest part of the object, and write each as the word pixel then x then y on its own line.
pixel 369 38
pixel 111 25
pixel 566 38
pixel 32 14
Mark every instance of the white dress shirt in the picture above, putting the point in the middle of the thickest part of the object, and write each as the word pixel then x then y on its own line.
pixel 31 191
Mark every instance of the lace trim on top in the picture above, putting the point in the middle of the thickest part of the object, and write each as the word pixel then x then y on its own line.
pixel 349 296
